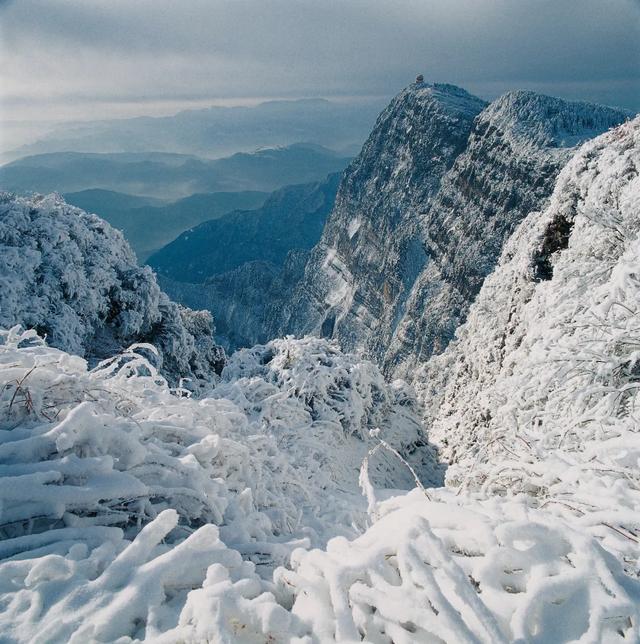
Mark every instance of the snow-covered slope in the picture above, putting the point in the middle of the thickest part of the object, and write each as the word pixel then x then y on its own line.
pixel 536 405
pixel 516 149
pixel 546 363
pixel 75 279
pixel 361 271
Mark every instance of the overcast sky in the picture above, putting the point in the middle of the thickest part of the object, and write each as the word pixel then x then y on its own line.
pixel 97 58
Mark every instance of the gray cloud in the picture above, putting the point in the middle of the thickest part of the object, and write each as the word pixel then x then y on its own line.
pixel 96 52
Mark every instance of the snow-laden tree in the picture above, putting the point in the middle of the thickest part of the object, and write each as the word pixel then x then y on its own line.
pixel 545 368
pixel 74 279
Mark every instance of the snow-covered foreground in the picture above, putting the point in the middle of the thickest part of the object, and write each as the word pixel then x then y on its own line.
pixel 458 569
pixel 129 512
pixel 119 496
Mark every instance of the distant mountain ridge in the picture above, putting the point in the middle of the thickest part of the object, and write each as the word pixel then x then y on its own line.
pixel 171 176
pixel 149 224
pixel 110 201
pixel 218 131
pixel 291 218
pixel 243 266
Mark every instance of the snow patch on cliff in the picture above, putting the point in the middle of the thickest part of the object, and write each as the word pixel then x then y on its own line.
pixel 354 227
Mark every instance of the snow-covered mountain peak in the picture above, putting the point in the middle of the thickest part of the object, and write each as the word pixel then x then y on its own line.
pixel 548 121
pixel 516 149
pixel 422 213
pixel 415 138
pixel 449 96
pixel 360 273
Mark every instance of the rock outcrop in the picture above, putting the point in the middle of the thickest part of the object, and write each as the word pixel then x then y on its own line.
pixel 361 272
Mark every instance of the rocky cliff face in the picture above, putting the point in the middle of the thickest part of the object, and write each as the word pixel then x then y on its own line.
pixel 516 149
pixel 422 214
pixel 362 270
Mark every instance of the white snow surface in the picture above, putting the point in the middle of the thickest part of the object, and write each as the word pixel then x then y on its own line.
pixel 128 509
pixel 131 511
